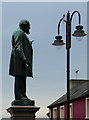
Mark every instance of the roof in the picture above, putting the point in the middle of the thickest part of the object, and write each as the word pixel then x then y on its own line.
pixel 85 80
pixel 78 92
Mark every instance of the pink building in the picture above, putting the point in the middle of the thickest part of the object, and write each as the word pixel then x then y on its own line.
pixel 79 102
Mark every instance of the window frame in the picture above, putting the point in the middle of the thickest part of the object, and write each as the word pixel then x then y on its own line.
pixel 71 105
pixel 63 111
pixel 87 116
pixel 55 115
pixel 50 113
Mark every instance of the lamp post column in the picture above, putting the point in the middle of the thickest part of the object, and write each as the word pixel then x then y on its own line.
pixel 68 46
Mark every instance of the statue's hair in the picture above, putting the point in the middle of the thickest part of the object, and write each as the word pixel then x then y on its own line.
pixel 23 22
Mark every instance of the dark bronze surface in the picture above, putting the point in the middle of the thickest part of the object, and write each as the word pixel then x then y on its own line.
pixel 23 103
pixel 21 60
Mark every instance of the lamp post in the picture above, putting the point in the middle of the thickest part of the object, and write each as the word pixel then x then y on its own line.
pixel 79 32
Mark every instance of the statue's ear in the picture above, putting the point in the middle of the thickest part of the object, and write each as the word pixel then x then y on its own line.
pixel 23 27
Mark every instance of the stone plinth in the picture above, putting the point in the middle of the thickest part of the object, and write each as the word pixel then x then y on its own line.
pixel 23 112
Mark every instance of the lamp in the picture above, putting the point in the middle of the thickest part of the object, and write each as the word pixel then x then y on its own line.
pixel 58 41
pixel 79 32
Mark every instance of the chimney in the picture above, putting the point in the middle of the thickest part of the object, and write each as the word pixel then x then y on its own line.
pixel 74 82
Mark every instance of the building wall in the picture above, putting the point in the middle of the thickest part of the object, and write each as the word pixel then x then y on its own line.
pixel 58 113
pixel 65 111
pixel 79 109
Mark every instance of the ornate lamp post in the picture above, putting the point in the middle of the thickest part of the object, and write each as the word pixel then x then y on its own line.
pixel 79 32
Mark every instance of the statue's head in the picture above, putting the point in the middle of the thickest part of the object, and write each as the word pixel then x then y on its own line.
pixel 25 26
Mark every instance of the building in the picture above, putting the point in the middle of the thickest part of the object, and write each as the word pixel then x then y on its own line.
pixel 79 102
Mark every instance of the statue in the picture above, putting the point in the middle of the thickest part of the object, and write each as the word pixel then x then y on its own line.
pixel 21 59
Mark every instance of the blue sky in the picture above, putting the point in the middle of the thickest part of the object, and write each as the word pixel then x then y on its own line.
pixel 49 64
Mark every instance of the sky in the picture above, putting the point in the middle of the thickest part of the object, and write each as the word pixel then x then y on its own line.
pixel 49 62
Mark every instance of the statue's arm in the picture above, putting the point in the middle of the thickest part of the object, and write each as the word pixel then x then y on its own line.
pixel 20 48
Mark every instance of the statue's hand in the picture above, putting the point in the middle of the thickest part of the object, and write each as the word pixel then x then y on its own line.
pixel 28 63
pixel 32 41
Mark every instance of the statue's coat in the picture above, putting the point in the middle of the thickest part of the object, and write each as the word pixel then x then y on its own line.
pixel 21 50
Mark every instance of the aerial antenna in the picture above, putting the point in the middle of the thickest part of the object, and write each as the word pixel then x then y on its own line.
pixel 76 73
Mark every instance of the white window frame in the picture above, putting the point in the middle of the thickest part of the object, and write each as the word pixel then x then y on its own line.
pixel 50 113
pixel 71 105
pixel 62 107
pixel 55 113
pixel 87 117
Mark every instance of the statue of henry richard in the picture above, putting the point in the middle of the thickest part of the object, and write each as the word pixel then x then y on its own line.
pixel 21 59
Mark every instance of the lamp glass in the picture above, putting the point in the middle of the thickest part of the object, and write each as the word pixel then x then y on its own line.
pixel 79 38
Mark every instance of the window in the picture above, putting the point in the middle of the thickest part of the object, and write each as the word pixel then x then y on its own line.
pixel 49 113
pixel 87 108
pixel 55 113
pixel 71 111
pixel 62 111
